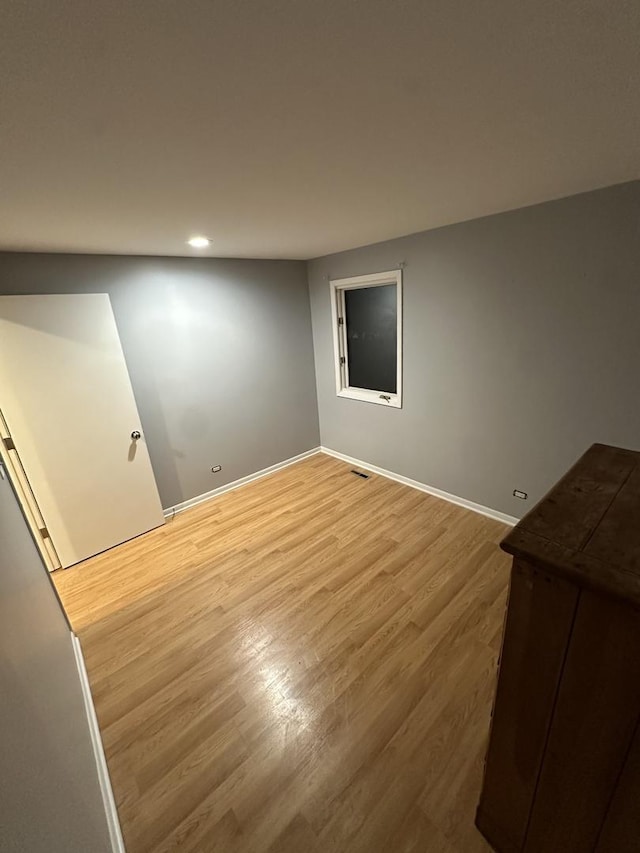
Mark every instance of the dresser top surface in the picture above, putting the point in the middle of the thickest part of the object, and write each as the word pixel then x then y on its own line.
pixel 587 528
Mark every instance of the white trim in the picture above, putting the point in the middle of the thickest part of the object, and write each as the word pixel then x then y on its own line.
pixel 366 280
pixel 169 512
pixel 422 487
pixel 115 834
pixel 337 337
pixel 26 499
pixel 338 286
pixel 380 398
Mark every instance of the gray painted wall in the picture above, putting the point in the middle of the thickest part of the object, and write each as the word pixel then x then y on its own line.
pixel 521 348
pixel 219 352
pixel 50 798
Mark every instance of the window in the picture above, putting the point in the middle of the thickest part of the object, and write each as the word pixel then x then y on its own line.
pixel 367 337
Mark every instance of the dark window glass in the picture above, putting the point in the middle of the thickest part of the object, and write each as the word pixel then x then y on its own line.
pixel 372 336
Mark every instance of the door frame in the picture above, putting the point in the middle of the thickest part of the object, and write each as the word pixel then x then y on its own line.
pixel 10 456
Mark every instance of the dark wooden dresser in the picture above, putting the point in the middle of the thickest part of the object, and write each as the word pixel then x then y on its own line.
pixel 562 773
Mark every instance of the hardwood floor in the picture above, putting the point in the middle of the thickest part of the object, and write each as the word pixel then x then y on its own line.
pixel 305 664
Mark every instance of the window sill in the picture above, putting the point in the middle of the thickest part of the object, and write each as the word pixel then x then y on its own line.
pixel 394 401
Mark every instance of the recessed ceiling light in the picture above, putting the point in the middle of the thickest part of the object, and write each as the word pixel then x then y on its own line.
pixel 199 242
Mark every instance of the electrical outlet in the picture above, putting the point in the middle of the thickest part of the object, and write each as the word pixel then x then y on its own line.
pixel 518 494
pixel 216 468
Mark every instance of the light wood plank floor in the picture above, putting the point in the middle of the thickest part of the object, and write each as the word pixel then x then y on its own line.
pixel 304 664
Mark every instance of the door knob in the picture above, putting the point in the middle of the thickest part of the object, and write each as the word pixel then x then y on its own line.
pixel 135 435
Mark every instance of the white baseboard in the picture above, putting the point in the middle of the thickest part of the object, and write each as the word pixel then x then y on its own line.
pixel 115 834
pixel 430 490
pixel 391 475
pixel 169 512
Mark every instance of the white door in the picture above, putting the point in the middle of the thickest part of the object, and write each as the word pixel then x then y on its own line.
pixel 68 406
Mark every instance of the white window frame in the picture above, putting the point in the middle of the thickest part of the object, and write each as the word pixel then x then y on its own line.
pixel 343 389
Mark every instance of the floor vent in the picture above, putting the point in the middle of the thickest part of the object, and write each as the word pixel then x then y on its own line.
pixel 360 474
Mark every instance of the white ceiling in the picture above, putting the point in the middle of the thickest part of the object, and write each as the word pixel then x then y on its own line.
pixel 294 128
